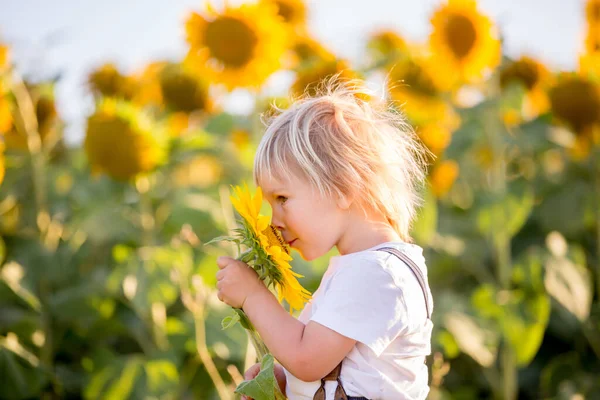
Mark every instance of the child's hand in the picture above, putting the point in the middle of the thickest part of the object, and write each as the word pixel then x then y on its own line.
pixel 236 281
pixel 279 375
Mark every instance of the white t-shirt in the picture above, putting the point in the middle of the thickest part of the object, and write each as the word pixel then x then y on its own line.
pixel 373 297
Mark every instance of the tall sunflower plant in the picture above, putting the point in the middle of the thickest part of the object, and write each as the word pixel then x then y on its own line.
pixel 262 247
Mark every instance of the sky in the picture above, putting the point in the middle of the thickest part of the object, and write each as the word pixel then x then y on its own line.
pixel 72 37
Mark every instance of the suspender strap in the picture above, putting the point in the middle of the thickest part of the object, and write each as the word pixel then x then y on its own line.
pixel 415 270
pixel 340 393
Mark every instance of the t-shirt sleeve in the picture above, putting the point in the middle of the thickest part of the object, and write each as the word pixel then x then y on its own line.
pixel 363 302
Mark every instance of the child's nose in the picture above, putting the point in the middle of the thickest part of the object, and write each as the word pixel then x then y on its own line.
pixel 277 222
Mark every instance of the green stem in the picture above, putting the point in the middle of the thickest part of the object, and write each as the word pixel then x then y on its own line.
pixel 34 146
pixel 259 346
pixel 207 360
pixel 501 246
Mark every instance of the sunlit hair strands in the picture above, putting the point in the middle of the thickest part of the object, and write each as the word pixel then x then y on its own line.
pixel 347 146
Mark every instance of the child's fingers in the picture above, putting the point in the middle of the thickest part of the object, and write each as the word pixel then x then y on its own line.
pixel 223 261
pixel 252 372
pixel 220 275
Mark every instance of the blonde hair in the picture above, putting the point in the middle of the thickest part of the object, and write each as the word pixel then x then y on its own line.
pixel 345 145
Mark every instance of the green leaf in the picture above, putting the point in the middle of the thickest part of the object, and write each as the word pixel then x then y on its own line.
pixel 264 386
pixel 505 216
pixel 18 378
pixel 162 376
pixel 230 321
pixel 524 326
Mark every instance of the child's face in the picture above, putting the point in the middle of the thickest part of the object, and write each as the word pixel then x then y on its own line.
pixel 309 222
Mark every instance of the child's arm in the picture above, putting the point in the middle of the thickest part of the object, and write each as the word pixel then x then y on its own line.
pixel 309 352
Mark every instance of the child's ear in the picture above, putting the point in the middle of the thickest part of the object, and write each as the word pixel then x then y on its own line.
pixel 345 201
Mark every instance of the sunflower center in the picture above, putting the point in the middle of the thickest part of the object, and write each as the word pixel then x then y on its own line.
pixel 286 11
pixel 275 238
pixel 522 71
pixel 594 12
pixel 461 35
pixel 577 101
pixel 231 41
pixel 418 80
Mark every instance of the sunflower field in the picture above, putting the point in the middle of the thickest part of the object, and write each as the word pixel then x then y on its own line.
pixel 107 283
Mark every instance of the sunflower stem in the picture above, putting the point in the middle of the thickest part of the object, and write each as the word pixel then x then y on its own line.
pixel 29 128
pixel 206 359
pixel 501 247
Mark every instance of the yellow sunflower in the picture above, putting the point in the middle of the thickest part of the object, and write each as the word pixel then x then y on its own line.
pixel 386 44
pixel 576 101
pixel 436 137
pixel 443 176
pixel 1 161
pixel 183 91
pixel 592 38
pixel 148 91
pixel 534 77
pixel 238 47
pixel 270 241
pixel 307 51
pixel 293 12
pixel 46 115
pixel 6 121
pixel 121 141
pixel 309 80
pixel 109 82
pixel 589 65
pixel 592 12
pixel 4 57
pixel 414 87
pixel 202 171
pixel 464 40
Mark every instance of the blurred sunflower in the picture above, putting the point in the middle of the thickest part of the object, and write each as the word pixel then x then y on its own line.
pixel 120 141
pixel 183 91
pixel 240 138
pixel 4 57
pixel 592 12
pixel 309 79
pixel 1 161
pixel 239 47
pixel 464 40
pixel 589 65
pixel 293 12
pixel 178 123
pixel 592 38
pixel 386 45
pixel 307 50
pixel 443 176
pixel 414 87
pixel 6 121
pixel 148 91
pixel 268 253
pixel 109 82
pixel 534 77
pixel 576 101
pixel 46 115
pixel 202 171
pixel 436 137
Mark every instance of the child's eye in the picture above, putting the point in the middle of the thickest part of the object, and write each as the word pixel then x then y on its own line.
pixel 281 199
